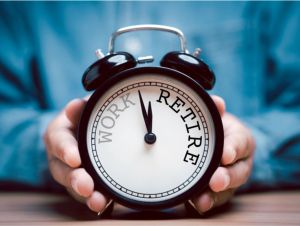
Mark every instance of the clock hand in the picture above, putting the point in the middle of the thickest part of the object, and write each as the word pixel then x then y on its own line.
pixel 145 116
pixel 150 117
pixel 150 137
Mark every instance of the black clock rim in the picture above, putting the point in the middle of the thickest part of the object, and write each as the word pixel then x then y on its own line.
pixel 196 189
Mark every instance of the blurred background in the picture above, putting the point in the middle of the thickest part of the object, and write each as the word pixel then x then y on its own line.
pixel 253 48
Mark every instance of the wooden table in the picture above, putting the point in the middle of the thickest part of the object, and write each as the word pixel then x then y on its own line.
pixel 276 208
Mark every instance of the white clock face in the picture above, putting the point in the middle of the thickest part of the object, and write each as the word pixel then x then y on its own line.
pixel 181 154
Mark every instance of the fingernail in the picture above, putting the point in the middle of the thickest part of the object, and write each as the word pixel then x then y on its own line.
pixel 75 186
pixel 205 203
pixel 209 200
pixel 88 203
pixel 106 206
pixel 74 160
pixel 195 208
pixel 232 155
pixel 226 181
pixel 211 204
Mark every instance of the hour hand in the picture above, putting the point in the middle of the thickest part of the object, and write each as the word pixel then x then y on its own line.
pixel 150 137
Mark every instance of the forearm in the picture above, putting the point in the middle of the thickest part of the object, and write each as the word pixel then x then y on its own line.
pixel 23 157
pixel 276 158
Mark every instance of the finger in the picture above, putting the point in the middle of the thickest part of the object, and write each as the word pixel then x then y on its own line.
pixel 232 176
pixel 209 200
pixel 97 202
pixel 202 203
pixel 221 198
pixel 77 179
pixel 237 145
pixel 63 145
pixel 73 111
pixel 220 104
pixel 77 197
pixel 81 182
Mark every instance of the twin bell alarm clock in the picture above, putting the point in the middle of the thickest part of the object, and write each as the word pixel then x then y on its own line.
pixel 150 136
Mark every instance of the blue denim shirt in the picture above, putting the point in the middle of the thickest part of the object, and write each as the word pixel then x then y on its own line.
pixel 253 48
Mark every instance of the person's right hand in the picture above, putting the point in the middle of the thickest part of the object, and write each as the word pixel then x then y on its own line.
pixel 64 159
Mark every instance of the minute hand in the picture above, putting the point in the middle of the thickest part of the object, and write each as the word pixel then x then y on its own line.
pixel 147 118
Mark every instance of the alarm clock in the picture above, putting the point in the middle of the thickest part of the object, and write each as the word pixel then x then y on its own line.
pixel 151 137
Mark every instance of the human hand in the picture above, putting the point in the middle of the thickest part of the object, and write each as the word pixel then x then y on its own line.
pixel 64 159
pixel 236 163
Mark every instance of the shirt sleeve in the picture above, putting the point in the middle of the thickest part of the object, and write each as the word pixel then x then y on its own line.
pixel 276 127
pixel 23 108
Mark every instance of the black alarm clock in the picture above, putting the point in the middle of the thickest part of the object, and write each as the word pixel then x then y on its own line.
pixel 150 137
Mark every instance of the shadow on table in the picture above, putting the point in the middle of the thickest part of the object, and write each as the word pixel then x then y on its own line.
pixel 76 211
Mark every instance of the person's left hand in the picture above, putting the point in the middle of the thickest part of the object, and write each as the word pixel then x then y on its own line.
pixel 236 163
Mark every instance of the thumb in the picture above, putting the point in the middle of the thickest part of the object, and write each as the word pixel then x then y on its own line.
pixel 74 109
pixel 220 104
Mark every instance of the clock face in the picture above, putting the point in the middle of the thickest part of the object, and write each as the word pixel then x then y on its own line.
pixel 144 173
